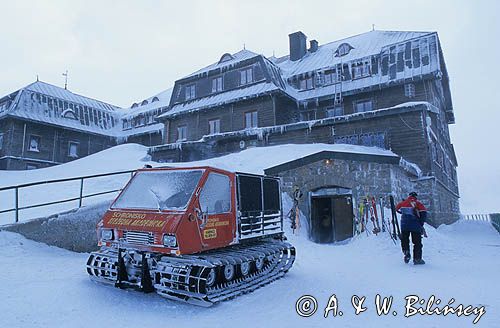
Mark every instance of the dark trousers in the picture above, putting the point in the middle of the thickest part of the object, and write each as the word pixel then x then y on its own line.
pixel 416 238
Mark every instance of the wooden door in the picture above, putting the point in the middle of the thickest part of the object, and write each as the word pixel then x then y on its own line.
pixel 343 217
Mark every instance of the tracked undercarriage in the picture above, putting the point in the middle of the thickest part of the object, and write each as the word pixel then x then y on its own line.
pixel 200 279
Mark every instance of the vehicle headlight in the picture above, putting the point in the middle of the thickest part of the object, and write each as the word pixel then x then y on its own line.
pixel 106 234
pixel 169 240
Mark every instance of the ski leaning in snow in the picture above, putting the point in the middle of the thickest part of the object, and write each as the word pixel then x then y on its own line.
pixel 386 226
pixel 376 230
pixel 395 223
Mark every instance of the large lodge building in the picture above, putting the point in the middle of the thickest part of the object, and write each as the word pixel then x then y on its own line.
pixel 386 89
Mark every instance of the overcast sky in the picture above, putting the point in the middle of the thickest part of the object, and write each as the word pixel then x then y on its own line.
pixel 123 51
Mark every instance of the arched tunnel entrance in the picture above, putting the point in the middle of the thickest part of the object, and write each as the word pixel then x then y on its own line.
pixel 331 214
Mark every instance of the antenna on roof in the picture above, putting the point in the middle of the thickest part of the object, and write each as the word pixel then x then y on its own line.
pixel 373 27
pixel 65 80
pixel 37 78
pixel 244 46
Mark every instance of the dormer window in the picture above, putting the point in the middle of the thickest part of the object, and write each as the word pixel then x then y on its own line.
pixel 343 49
pixel 330 77
pixel 361 69
pixel 134 105
pixel 217 84
pixel 190 91
pixel 306 83
pixel 68 113
pixel 144 102
pixel 246 76
pixel 226 57
pixel 155 99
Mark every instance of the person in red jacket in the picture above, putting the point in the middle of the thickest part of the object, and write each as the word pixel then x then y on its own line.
pixel 413 216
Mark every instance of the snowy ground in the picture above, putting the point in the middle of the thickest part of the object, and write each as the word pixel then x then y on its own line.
pixel 44 286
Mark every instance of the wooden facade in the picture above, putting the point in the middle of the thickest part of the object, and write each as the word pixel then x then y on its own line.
pixel 43 125
pixel 398 98
pixel 54 145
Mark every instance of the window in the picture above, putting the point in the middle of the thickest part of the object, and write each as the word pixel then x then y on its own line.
pixel 410 90
pixel 376 139
pixel 306 83
pixel 246 76
pixel 226 57
pixel 363 106
pixel 309 115
pixel 216 195
pixel 1 141
pixel 96 120
pixel 34 144
pixel 73 149
pixel 182 133
pixel 361 69
pixel 86 113
pixel 335 111
pixel 330 77
pixel 217 84
pixel 214 126
pixel 190 91
pixel 31 166
pixel 343 50
pixel 251 120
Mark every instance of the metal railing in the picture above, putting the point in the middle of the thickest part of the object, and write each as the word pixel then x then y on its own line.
pixel 17 208
pixel 476 217
pixel 493 218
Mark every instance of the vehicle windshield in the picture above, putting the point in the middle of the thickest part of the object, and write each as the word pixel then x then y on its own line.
pixel 161 190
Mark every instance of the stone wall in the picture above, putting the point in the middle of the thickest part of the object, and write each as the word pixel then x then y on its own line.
pixel 362 177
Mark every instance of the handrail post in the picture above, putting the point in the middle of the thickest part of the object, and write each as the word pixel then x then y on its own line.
pixel 17 204
pixel 81 193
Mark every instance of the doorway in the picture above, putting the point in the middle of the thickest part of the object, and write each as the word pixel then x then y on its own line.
pixel 331 215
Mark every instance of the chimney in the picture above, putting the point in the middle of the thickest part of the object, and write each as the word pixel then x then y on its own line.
pixel 313 45
pixel 298 47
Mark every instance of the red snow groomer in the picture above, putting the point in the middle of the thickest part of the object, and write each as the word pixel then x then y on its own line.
pixel 199 235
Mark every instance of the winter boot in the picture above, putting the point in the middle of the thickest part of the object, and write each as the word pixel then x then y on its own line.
pixel 418 261
pixel 407 256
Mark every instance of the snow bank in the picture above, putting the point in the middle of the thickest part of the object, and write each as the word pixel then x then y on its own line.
pixel 74 230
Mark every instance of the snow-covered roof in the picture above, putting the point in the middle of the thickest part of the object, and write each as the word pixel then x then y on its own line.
pixel 256 160
pixel 365 44
pixel 64 94
pixel 227 60
pixel 50 104
pixel 144 129
pixel 361 47
pixel 65 122
pixel 159 100
pixel 253 90
pixel 29 104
